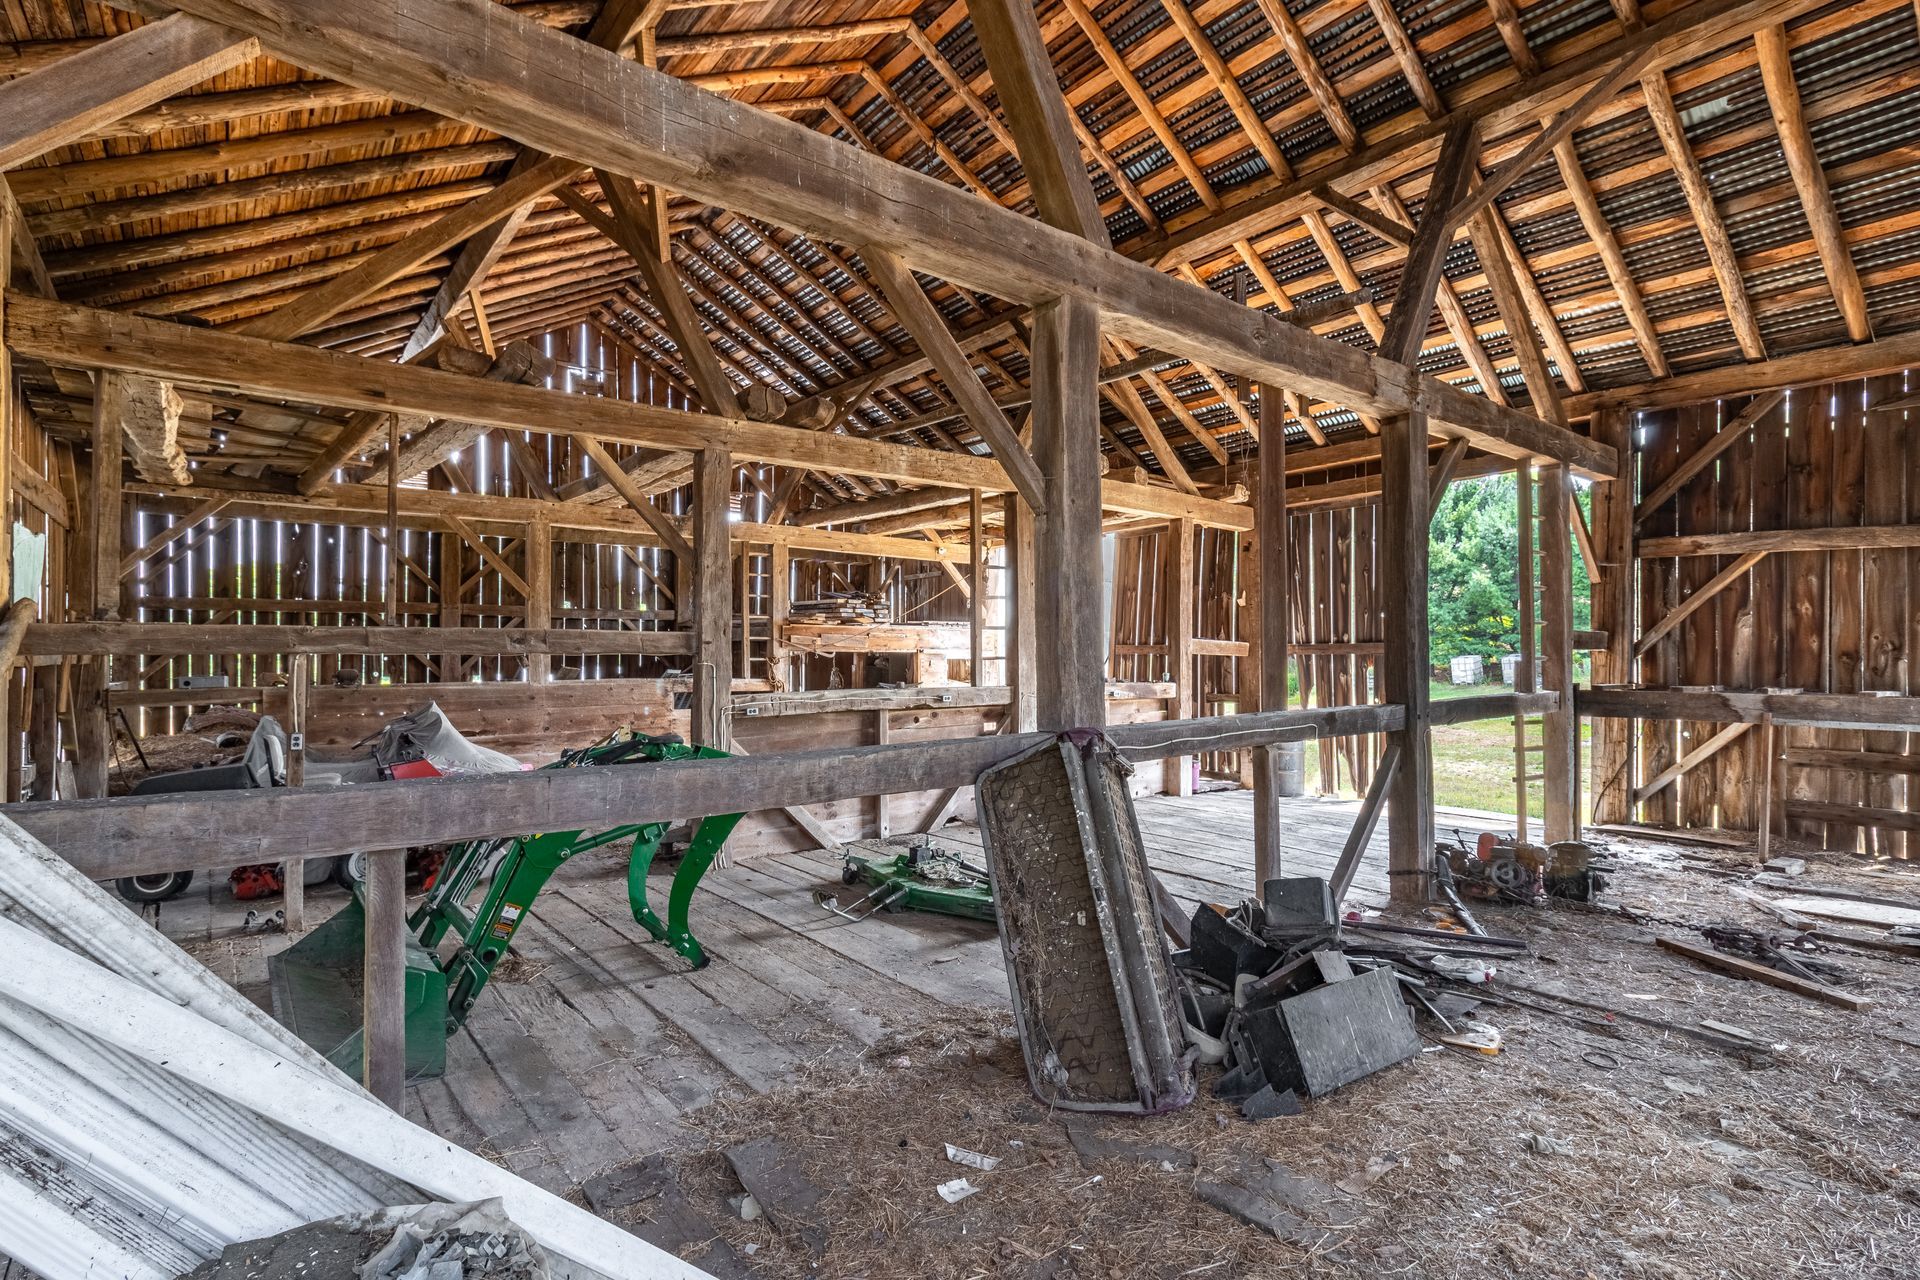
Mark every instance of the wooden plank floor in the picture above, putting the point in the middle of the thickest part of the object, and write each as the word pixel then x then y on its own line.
pixel 593 1041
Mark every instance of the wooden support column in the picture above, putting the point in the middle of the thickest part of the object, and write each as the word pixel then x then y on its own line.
pixel 1270 535
pixel 1180 628
pixel 977 584
pixel 43 730
pixel 1022 639
pixel 1560 727
pixel 1527 676
pixel 1613 595
pixel 293 872
pixel 104 502
pixel 92 734
pixel 383 1066
pixel 539 576
pixel 779 609
pixel 1403 663
pixel 1066 446
pixel 448 591
pixel 712 601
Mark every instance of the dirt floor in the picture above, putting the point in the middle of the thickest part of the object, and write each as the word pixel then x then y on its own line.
pixel 1591 1146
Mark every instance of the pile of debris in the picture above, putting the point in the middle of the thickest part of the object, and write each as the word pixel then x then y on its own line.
pixel 1294 1005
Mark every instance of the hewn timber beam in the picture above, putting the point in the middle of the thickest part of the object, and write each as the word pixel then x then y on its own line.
pixel 1694 602
pixel 316 306
pixel 1729 435
pixel 1801 369
pixel 1845 538
pixel 1690 761
pixel 137 834
pixel 1706 213
pixel 87 338
pixel 501 72
pixel 89 639
pixel 921 319
pixel 1556 130
pixel 500 516
pixel 1817 710
pixel 98 85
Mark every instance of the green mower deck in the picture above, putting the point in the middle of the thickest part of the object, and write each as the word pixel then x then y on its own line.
pixel 453 950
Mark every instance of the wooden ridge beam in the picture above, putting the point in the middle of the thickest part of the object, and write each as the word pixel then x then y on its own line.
pixel 474 64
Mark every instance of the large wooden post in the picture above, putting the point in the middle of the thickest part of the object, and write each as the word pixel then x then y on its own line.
pixel 539 575
pixel 779 609
pixel 92 734
pixel 977 584
pixel 452 549
pixel 1560 727
pixel 712 598
pixel 1066 445
pixel 1613 594
pixel 383 994
pixel 1023 676
pixel 104 500
pixel 1403 664
pixel 1527 675
pixel 1180 628
pixel 1270 535
pixel 293 872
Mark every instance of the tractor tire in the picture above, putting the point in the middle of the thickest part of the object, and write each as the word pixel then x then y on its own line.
pixel 154 888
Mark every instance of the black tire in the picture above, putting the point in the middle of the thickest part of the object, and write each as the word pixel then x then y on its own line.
pixel 341 872
pixel 154 888
pixel 849 874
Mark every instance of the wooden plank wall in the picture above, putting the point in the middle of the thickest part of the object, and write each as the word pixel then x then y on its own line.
pixel 1824 621
pixel 1336 640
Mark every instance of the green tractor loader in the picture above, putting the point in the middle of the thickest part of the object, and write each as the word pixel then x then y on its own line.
pixel 454 943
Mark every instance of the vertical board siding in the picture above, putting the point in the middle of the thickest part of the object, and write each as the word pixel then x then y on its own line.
pixel 1837 621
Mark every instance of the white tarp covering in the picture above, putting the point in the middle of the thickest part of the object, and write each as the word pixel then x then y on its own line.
pixel 150 1115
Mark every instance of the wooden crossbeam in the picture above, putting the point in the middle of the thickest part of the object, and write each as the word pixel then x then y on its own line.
pixel 180 528
pixel 1845 538
pixel 1686 608
pixel 1413 303
pixel 100 84
pixel 318 305
pixel 920 318
pixel 269 824
pixel 92 639
pixel 1688 762
pixel 1729 435
pixel 488 554
pixel 648 125
pixel 1557 130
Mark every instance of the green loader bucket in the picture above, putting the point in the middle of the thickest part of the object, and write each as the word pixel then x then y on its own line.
pixel 316 986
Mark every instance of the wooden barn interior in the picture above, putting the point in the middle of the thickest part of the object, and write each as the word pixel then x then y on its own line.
pixel 864 392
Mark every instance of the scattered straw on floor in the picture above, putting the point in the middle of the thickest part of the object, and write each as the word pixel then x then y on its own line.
pixel 1663 1158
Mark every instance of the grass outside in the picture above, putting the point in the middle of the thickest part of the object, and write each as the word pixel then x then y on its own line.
pixel 1472 763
